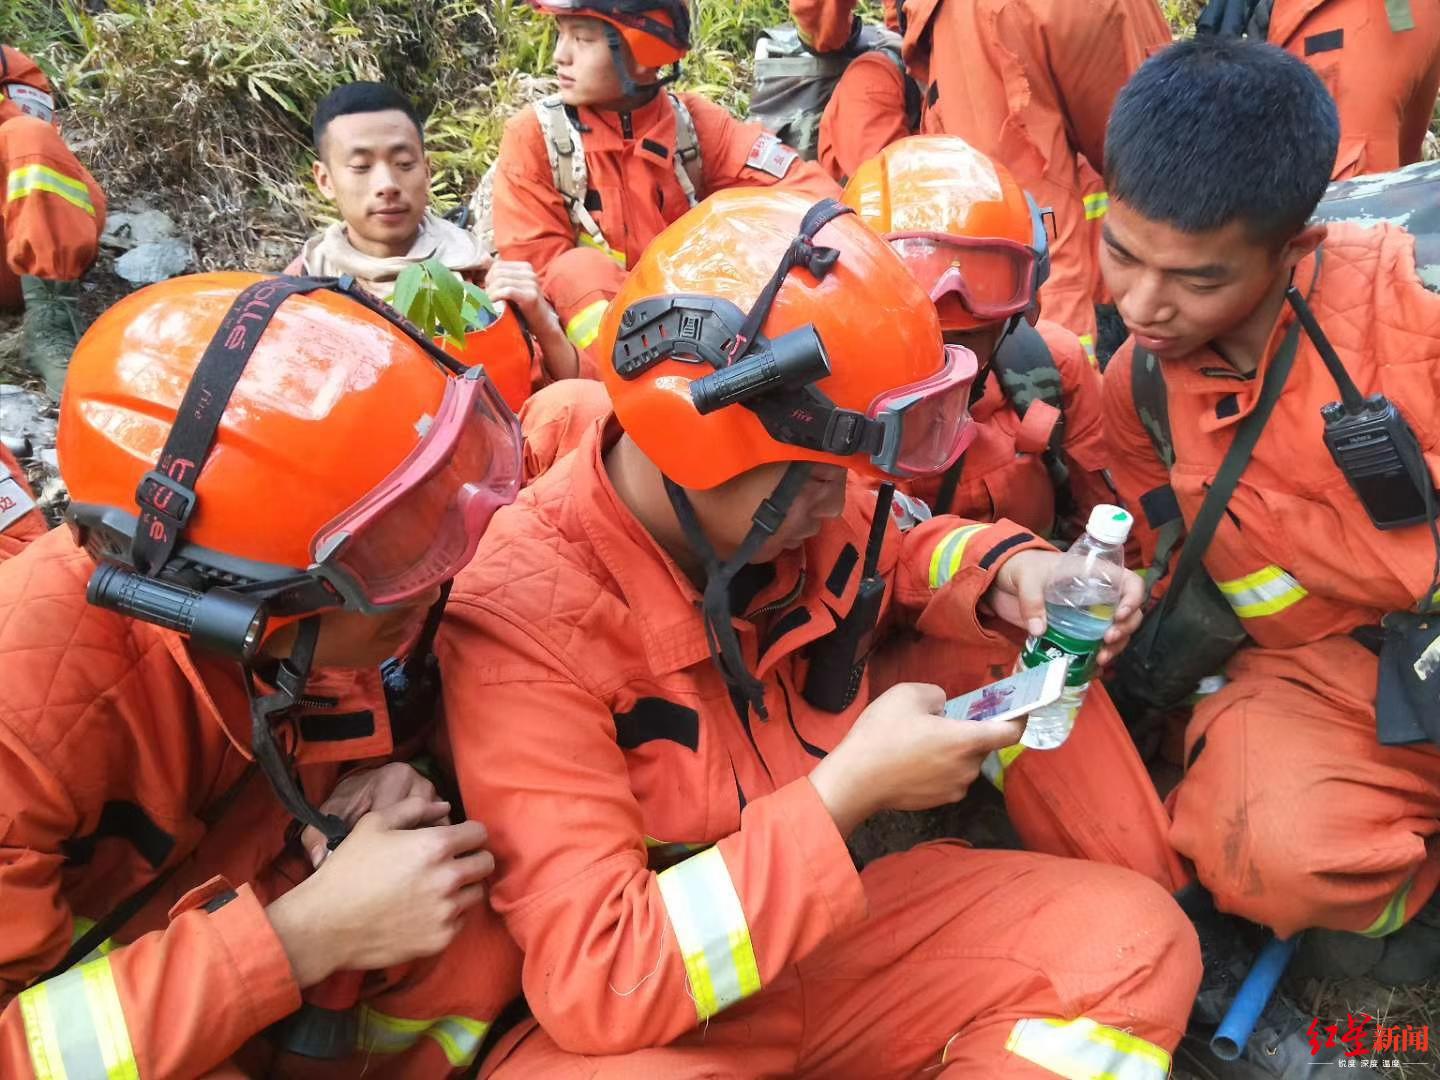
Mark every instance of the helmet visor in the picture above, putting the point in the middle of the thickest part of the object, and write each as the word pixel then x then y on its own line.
pixel 927 424
pixel 423 523
pixel 992 279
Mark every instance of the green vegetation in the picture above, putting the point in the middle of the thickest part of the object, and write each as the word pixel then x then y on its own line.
pixel 204 105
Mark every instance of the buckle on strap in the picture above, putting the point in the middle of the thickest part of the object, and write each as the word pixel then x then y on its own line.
pixel 158 494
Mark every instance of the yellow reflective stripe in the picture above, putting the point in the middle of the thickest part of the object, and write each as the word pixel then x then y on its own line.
pixel 1087 341
pixel 1084 1050
pixel 710 926
pixel 1393 917
pixel 29 179
pixel 1097 205
pixel 81 928
pixel 584 328
pixel 949 552
pixel 997 761
pixel 586 240
pixel 1265 592
pixel 459 1037
pixel 75 1026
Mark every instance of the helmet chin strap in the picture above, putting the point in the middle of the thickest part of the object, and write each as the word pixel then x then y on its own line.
pixel 291 676
pixel 628 87
pixel 715 607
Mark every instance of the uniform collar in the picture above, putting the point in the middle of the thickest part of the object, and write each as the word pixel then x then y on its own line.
pixel 663 602
pixel 1206 373
pixel 343 698
pixel 651 129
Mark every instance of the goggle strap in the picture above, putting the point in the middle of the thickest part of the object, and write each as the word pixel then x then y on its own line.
pixel 290 682
pixel 801 252
pixel 166 494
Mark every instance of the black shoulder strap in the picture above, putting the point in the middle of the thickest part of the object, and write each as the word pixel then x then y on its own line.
pixel 1202 529
pixel 166 495
pixel 1152 406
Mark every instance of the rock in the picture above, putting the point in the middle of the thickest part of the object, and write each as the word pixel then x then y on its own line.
pixel 125 230
pixel 25 415
pixel 157 261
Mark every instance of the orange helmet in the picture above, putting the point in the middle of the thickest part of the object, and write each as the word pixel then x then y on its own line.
pixel 277 445
pixel 657 31
pixel 23 87
pixel 839 358
pixel 969 233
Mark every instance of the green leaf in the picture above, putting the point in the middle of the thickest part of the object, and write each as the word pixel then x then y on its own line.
pixel 480 298
pixel 425 312
pixel 407 289
pixel 447 314
pixel 447 283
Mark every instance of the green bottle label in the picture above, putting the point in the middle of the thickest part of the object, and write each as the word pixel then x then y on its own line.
pixel 1054 644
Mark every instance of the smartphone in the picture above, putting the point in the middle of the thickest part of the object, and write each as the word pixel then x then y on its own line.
pixel 1018 695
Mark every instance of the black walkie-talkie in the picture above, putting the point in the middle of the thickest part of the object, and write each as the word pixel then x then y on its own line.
pixel 837 661
pixel 1370 440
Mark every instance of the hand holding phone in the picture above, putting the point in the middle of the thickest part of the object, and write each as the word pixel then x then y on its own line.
pixel 1018 695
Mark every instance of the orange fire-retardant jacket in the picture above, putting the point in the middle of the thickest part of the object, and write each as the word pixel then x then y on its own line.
pixel 611 748
pixel 1031 83
pixel 634 193
pixel 20 521
pixel 866 113
pixel 123 753
pixel 1295 554
pixel 1381 62
pixel 52 211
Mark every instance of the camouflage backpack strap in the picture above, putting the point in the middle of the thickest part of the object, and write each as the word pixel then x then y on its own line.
pixel 566 150
pixel 1028 373
pixel 1160 507
pixel 1407 198
pixel 689 166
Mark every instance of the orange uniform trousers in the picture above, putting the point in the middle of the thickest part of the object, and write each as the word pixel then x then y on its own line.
pixel 1294 814
pixel 53 210
pixel 1384 78
pixel 961 950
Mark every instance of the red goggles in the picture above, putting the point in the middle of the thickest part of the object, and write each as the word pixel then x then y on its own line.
pixel 993 279
pixel 927 424
pixel 421 526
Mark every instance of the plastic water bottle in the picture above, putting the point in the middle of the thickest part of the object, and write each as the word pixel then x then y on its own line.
pixel 1080 600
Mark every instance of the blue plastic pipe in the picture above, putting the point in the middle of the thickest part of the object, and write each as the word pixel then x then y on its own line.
pixel 1254 994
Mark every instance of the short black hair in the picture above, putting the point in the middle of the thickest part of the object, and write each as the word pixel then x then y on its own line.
pixel 362 97
pixel 1221 129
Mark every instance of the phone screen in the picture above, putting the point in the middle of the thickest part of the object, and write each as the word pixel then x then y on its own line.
pixel 1015 696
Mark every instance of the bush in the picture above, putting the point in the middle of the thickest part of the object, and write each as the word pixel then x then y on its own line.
pixel 204 105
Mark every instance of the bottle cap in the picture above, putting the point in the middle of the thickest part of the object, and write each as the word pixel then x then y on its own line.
pixel 1109 524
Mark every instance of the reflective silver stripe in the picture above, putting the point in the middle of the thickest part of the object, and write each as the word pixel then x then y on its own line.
pixel 75 1026
pixel 1084 1050
pixel 710 927
pixel 458 1037
pixel 29 179
pixel 1265 592
pixel 996 762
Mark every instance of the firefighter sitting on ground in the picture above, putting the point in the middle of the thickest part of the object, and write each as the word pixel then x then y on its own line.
pixel 370 161
pixel 976 245
pixel 52 213
pixel 672 768
pixel 217 632
pixel 588 177
pixel 1301 805
pixel 1029 82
